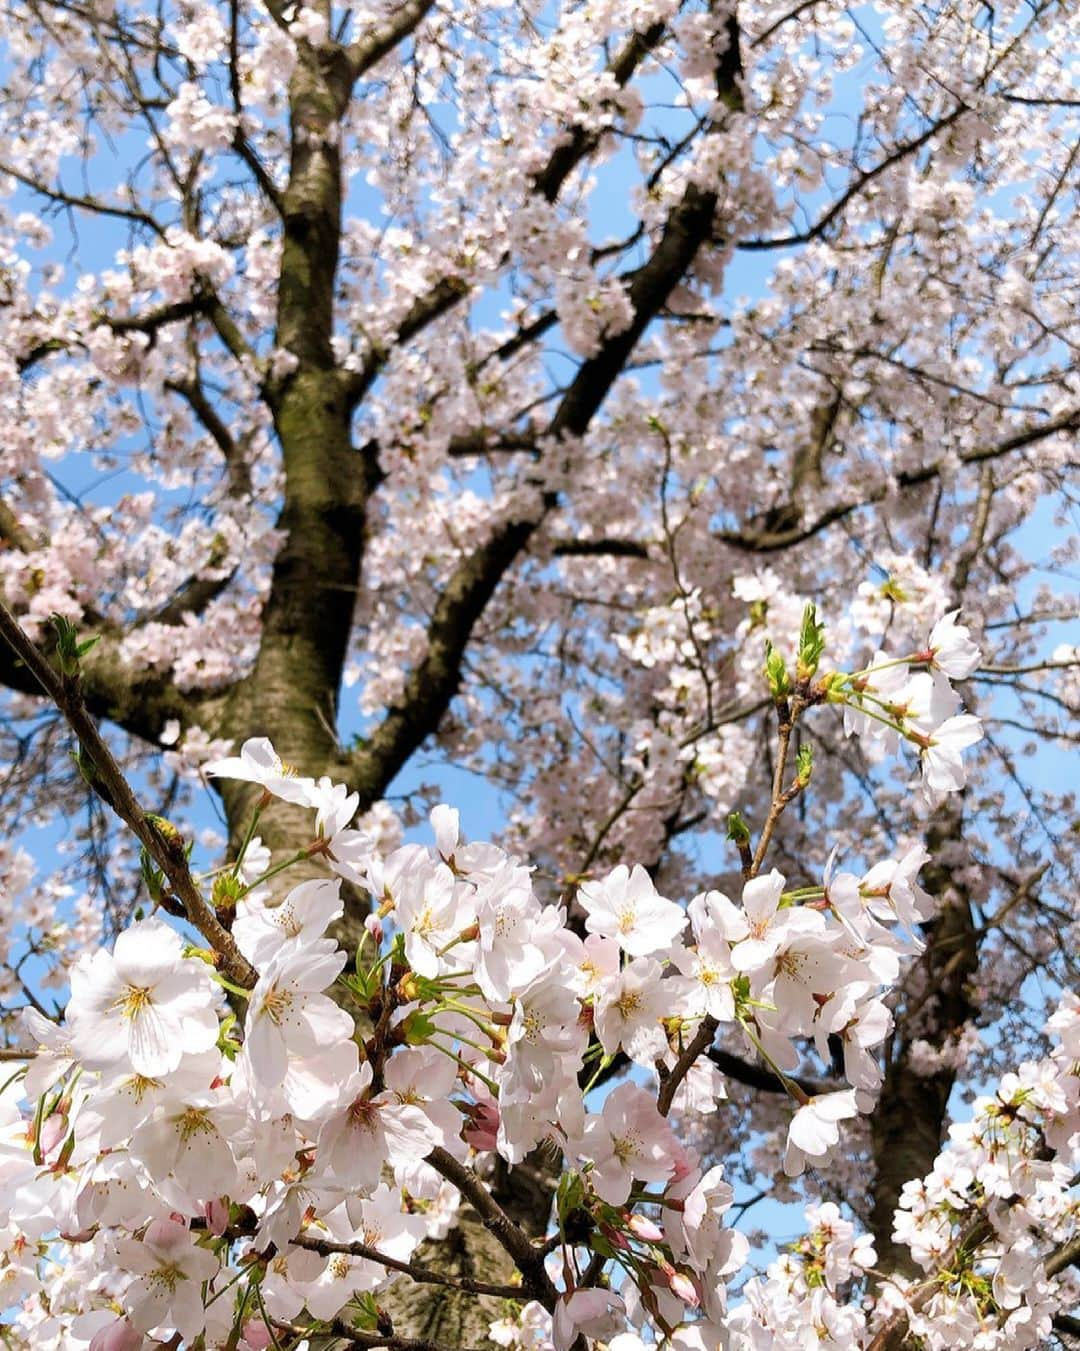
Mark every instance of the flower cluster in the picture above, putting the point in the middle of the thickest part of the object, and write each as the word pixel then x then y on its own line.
pixel 999 1207
pixel 191 1156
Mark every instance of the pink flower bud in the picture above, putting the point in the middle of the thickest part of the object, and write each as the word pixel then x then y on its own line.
pixel 217 1216
pixel 645 1229
pixel 373 924
pixel 54 1131
pixel 257 1335
pixel 615 1238
pixel 118 1336
pixel 166 1234
pixel 683 1287
pixel 482 1131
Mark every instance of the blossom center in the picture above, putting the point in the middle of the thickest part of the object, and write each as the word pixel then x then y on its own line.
pixel 277 1004
pixel 628 1003
pixel 362 1114
pixel 134 1000
pixel 195 1121
pixel 626 1147
pixel 168 1277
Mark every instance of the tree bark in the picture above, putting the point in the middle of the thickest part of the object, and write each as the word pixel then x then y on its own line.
pixel 907 1127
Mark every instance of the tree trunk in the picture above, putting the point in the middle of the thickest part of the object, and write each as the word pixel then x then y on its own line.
pixel 906 1129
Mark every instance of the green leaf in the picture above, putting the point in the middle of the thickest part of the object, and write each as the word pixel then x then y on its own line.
pixel 776 672
pixel 68 647
pixel 738 832
pixel 570 1195
pixel 811 644
pixel 152 876
pixel 417 1029
pixel 804 764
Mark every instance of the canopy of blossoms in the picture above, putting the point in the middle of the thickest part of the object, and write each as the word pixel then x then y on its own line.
pixel 185 1160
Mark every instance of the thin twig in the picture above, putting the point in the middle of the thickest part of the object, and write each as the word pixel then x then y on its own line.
pixel 422 1275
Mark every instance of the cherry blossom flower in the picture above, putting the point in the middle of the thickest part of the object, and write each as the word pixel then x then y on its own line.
pixel 629 1008
pixel 288 1013
pixel 259 763
pixel 953 651
pixel 305 913
pixel 143 1003
pixel 169 1270
pixel 628 1139
pixel 768 928
pixel 597 1314
pixel 625 906
pixel 814 1128
pixel 942 765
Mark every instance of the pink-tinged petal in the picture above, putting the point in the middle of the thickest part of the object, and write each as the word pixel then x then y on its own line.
pixel 100 1041
pixel 410 1133
pixel 809 1133
pixel 266 1050
pixel 326 1023
pixel 154 1043
pixel 761 896
pixel 168 1238
pixel 137 1257
pixel 200 1031
pixel 446 824
pixel 319 973
pixel 147 953
pixel 752 954
pixel 118 1336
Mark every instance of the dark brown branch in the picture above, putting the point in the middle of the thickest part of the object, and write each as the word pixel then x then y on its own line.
pixel 580 143
pixel 548 182
pixel 362 55
pixel 65 694
pixel 422 1275
pixel 757 1076
pixel 890 1337
pixel 1067 1255
pixel 140 702
pixel 81 202
pixel 482 441
pixel 599 548
pixel 192 392
pixel 773 541
pixel 434 681
pixel 671 1079
pixel 148 322
pixel 355 1337
pixel 516 1243
pixel 823 222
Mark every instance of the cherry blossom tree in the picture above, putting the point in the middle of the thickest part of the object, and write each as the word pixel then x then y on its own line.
pixel 662 412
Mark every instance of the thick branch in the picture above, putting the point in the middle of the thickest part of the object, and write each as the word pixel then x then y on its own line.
pixel 774 541
pixel 435 680
pixel 548 182
pixel 580 143
pixel 528 1260
pixel 355 1337
pixel 385 37
pixel 757 1076
pixel 140 702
